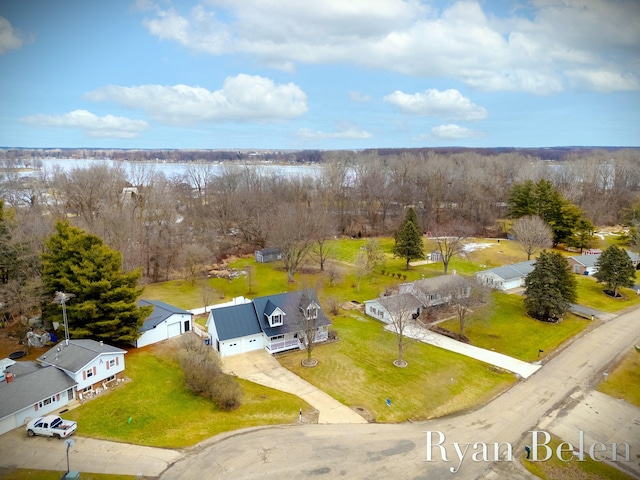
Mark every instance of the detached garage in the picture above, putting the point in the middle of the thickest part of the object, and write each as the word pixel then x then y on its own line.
pixel 166 321
pixel 235 329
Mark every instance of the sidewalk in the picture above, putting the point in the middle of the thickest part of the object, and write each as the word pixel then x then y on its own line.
pixel 260 367
pixel 505 362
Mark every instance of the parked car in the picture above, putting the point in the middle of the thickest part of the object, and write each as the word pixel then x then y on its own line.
pixel 51 426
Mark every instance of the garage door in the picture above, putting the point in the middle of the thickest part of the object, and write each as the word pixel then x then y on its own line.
pixel 173 330
pixel 232 347
pixel 7 424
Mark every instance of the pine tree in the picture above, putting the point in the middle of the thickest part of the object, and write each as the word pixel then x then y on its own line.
pixel 409 239
pixel 615 270
pixel 103 304
pixel 550 288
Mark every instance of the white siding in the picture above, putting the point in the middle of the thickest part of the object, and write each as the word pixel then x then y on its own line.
pixel 239 345
pixel 101 368
pixel 22 417
pixel 375 310
pixel 169 328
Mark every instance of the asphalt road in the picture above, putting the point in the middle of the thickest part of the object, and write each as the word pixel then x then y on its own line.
pixel 400 451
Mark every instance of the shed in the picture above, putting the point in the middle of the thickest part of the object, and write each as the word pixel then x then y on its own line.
pixel 267 255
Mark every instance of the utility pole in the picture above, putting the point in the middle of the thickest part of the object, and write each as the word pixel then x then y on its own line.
pixel 62 299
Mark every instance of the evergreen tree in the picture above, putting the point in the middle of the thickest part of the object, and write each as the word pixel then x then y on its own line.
pixel 550 288
pixel 615 270
pixel 103 306
pixel 409 239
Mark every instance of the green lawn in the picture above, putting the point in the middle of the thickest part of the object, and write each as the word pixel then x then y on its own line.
pixel 503 326
pixel 554 468
pixel 624 379
pixel 358 370
pixel 164 414
pixel 590 294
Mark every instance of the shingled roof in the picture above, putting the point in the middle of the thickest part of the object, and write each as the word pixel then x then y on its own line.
pixel 161 311
pixel 71 358
pixel 31 383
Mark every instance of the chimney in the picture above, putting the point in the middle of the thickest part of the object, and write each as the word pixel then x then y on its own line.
pixel 9 377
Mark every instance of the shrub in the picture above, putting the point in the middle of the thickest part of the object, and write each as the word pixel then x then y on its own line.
pixel 203 374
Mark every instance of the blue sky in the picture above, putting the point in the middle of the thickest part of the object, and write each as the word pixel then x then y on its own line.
pixel 321 74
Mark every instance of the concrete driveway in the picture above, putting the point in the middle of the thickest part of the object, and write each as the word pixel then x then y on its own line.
pixel 86 455
pixel 260 367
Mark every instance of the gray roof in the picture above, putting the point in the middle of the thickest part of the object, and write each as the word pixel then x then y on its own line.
pixel 585 260
pixel 512 272
pixel 402 302
pixel 248 319
pixel 292 304
pixel 31 383
pixel 161 312
pixel 77 354
pixel 236 321
pixel 440 283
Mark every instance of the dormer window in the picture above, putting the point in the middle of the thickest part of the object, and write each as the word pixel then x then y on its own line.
pixel 276 318
pixel 312 311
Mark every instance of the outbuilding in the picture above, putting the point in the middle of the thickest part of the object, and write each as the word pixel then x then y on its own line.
pixel 165 322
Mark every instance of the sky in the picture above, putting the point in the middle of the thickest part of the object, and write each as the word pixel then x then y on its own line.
pixel 319 74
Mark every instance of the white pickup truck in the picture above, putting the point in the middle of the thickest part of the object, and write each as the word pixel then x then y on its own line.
pixel 51 426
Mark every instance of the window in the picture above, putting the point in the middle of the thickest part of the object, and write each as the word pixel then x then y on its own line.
pixel 276 319
pixel 89 373
pixel 46 401
pixel 112 363
pixel 110 378
pixel 277 337
pixel 312 311
pixel 87 389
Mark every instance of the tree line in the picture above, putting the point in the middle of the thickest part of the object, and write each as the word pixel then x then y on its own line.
pixel 169 226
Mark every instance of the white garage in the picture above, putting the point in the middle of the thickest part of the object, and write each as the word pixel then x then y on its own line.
pixel 165 321
pixel 235 329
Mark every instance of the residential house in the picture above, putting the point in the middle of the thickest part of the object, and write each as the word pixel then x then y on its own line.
pixel 506 277
pixel 415 296
pixel 587 264
pixel 387 308
pixel 89 363
pixel 437 290
pixel 273 322
pixel 30 390
pixel 584 264
pixel 267 255
pixel 165 321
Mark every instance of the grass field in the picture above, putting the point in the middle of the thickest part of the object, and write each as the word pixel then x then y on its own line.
pixel 164 413
pixel 503 326
pixel 591 294
pixel 622 382
pixel 358 370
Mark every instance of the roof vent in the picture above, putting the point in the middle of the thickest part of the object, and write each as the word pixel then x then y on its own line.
pixel 101 343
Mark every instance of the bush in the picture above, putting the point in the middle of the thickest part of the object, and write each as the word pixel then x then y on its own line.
pixel 203 374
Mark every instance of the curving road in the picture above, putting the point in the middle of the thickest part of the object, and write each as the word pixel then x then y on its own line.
pixel 400 451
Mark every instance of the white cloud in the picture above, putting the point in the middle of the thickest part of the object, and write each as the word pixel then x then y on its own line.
pixel 344 131
pixel 605 80
pixel 10 38
pixel 447 104
pixel 359 97
pixel 108 126
pixel 533 53
pixel 241 98
pixel 454 132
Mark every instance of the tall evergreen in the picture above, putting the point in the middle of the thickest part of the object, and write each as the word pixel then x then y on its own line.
pixel 550 288
pixel 409 239
pixel 103 306
pixel 615 270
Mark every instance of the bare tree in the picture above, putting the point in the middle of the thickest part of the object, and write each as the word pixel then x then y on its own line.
pixel 194 259
pixel 448 246
pixel 532 233
pixel 294 234
pixel 401 308
pixel 463 297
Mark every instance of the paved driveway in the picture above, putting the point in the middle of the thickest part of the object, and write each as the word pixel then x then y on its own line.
pixel 260 367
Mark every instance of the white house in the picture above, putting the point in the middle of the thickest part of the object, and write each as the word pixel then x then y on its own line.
pixel 437 290
pixel 273 322
pixel 30 390
pixel 89 363
pixel 165 321
pixel 384 308
pixel 507 277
